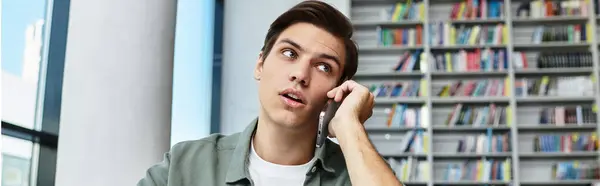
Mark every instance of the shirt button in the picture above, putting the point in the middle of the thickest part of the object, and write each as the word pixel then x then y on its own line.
pixel 313 169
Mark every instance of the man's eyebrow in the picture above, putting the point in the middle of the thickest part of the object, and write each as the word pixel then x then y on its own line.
pixel 326 56
pixel 288 41
pixel 330 57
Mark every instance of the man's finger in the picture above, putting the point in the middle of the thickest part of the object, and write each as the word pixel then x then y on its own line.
pixel 332 92
pixel 349 85
pixel 339 94
pixel 372 104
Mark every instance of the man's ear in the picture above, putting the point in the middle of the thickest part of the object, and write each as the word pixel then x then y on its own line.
pixel 342 80
pixel 259 66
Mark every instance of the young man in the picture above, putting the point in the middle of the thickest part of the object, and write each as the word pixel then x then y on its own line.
pixel 307 59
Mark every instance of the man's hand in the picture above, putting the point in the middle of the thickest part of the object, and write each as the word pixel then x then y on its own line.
pixel 365 165
pixel 356 107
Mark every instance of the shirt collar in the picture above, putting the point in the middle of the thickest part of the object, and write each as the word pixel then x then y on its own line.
pixel 238 165
pixel 323 155
pixel 238 168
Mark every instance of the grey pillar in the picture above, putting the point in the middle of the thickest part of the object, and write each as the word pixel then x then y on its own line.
pixel 116 104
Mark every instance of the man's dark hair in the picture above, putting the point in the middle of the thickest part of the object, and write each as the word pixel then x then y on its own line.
pixel 323 16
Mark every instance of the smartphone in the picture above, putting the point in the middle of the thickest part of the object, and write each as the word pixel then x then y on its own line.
pixel 324 119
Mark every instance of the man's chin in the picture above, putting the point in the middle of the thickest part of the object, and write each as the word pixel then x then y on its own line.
pixel 290 119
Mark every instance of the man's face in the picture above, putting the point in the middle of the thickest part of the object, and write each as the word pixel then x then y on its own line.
pixel 303 65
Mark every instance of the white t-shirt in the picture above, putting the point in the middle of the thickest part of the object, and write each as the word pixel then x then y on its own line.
pixel 264 173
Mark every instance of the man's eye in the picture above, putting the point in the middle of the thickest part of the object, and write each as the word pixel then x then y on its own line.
pixel 324 67
pixel 289 53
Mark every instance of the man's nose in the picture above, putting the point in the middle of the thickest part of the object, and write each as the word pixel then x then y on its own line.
pixel 301 72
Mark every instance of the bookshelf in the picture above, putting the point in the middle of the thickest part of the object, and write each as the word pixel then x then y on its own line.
pixel 535 73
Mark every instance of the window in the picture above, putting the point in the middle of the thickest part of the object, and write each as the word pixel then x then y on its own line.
pixel 16 161
pixel 33 46
pixel 22 29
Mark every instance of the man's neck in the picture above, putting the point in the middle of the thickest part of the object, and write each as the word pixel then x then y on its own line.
pixel 278 145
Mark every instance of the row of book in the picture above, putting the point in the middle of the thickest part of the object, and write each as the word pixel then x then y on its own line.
pixel 411 61
pixel 554 86
pixel 567 115
pixel 555 59
pixel 545 8
pixel 407 10
pixel 401 115
pixel 477 9
pixel 574 142
pixel 399 89
pixel 575 170
pixel 475 88
pixel 479 170
pixel 415 142
pixel 475 60
pixel 572 33
pixel 491 115
pixel 597 7
pixel 524 87
pixel 400 36
pixel 485 9
pixel 491 60
pixel 485 143
pixel 410 169
pixel 447 34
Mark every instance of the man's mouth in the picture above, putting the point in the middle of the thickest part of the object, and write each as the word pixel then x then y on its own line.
pixel 293 98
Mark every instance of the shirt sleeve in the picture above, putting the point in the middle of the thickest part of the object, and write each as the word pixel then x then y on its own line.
pixel 157 174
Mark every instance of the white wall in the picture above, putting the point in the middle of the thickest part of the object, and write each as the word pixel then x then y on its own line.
pixel 116 101
pixel 244 31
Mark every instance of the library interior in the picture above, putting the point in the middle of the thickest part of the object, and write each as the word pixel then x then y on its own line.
pixel 467 92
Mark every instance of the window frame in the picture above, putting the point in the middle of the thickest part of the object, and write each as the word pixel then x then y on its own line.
pixel 215 126
pixel 45 134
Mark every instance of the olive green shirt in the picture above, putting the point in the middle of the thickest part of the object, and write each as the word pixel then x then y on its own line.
pixel 223 160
